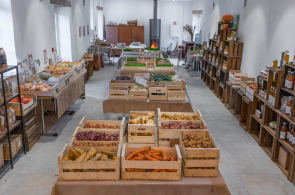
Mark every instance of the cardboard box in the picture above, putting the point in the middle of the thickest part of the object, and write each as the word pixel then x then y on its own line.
pixel 284 157
pixel 1 155
pixel 16 145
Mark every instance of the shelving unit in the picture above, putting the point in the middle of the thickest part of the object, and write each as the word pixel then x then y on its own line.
pixel 10 128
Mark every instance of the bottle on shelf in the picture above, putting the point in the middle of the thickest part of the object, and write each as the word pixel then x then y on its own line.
pixel 220 47
pixel 291 81
pixel 289 105
pixel 288 132
pixel 275 63
pixel 287 78
pixel 292 133
pixel 283 131
pixel 286 57
pixel 226 50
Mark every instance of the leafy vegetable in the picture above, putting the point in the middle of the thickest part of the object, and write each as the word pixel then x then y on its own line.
pixel 195 50
pixel 136 64
pixel 159 59
pixel 164 65
pixel 127 49
pixel 161 77
pixel 131 59
pixel 152 49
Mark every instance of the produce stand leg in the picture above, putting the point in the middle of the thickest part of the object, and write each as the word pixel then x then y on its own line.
pixel 43 125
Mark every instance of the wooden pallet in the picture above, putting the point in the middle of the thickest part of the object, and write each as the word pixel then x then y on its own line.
pixel 81 165
pixel 162 176
pixel 190 153
pixel 246 111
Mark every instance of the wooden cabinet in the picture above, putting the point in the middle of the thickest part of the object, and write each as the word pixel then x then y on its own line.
pixel 124 34
pixel 112 34
pixel 138 34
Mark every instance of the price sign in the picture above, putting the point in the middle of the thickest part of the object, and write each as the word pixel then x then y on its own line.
pixel 140 81
pixel 3 59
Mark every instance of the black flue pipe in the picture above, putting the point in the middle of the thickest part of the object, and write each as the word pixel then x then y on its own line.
pixel 155 8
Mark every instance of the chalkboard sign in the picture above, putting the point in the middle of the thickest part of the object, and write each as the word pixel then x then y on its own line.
pixel 3 59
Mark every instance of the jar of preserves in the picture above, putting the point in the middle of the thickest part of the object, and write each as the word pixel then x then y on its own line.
pixel 283 131
pixel 275 63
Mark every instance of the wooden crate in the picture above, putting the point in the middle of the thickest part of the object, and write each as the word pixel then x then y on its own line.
pixel 255 128
pixel 142 75
pixel 232 98
pixel 156 54
pixel 158 68
pixel 32 136
pixel 162 176
pixel 138 95
pixel 151 60
pixel 212 83
pixel 26 108
pixel 118 94
pixel 190 153
pixel 227 94
pixel 235 76
pixel 54 91
pixel 117 86
pixel 88 176
pixel 88 55
pixel 134 52
pixel 134 67
pixel 246 111
pixel 267 141
pixel 233 64
pixel 175 90
pixel 238 104
pixel 156 84
pixel 235 49
pixel 158 93
pixel 84 121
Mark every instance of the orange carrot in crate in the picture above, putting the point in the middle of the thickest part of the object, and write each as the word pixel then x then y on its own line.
pixel 172 158
pixel 139 154
pixel 164 156
pixel 150 158
pixel 171 170
pixel 156 170
pixel 138 158
pixel 138 170
pixel 168 158
pixel 157 157
pixel 163 170
pixel 152 151
pixel 129 170
pixel 136 152
pixel 156 153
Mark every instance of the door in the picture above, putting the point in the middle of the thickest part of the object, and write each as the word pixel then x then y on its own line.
pixel 125 35
pixel 112 34
pixel 138 34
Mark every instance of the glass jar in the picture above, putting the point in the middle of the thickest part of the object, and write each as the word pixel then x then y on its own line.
pixel 275 63
pixel 286 57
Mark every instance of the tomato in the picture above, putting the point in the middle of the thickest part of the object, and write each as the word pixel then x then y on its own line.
pixel 22 97
pixel 25 100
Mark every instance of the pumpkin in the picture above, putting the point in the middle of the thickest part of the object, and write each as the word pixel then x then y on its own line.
pixel 225 26
pixel 227 17
pixel 45 76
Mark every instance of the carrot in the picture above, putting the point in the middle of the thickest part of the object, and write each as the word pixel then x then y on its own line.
pixel 150 158
pixel 138 158
pixel 164 156
pixel 171 170
pixel 172 158
pixel 136 152
pixel 129 170
pixel 156 170
pixel 139 154
pixel 163 170
pixel 168 158
pixel 156 153
pixel 157 157
pixel 138 170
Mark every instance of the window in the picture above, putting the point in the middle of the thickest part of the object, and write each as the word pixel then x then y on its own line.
pixel 56 31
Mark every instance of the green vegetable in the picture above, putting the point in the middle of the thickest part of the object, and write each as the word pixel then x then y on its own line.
pixel 131 59
pixel 136 64
pixel 195 50
pixel 127 49
pixel 164 65
pixel 159 59
pixel 291 63
pixel 71 65
pixel 161 77
pixel 152 49
pixel 45 76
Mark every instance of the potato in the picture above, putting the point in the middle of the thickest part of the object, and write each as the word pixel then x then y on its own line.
pixel 194 127
pixel 192 136
pixel 166 127
pixel 187 127
pixel 172 127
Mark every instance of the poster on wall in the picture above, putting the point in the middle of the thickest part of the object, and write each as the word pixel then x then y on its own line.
pixel 83 30
pixel 87 29
pixel 45 55
pixel 80 31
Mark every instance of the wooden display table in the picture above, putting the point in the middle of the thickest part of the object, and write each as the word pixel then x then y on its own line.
pixel 187 185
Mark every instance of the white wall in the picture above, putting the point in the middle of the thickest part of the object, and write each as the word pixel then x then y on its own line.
pixel 121 11
pixel 266 27
pixel 7 31
pixel 34 24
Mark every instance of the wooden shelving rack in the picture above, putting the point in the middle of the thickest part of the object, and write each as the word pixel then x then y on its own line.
pixel 10 128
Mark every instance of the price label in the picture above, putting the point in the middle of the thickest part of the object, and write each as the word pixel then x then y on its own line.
pixel 140 81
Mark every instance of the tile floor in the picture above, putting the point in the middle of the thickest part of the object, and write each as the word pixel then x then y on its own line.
pixel 245 167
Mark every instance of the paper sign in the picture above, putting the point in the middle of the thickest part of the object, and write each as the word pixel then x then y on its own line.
pixel 45 55
pixel 140 81
pixel 30 60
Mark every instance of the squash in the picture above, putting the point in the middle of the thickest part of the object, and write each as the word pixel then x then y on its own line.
pixel 45 75
pixel 71 65
pixel 47 70
pixel 227 17
pixel 225 26
pixel 63 65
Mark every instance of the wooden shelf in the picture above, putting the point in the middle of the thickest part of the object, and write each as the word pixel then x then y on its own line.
pixel 270 130
pixel 288 90
pixel 8 68
pixel 260 98
pixel 287 145
pixel 259 120
pixel 9 98
pixel 11 128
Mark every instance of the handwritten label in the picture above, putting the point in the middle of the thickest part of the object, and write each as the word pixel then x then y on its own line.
pixel 140 81
pixel 2 59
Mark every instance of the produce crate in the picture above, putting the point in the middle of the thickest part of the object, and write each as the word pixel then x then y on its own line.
pixel 235 76
pixel 163 62
pixel 166 135
pixel 87 176
pixel 142 128
pixel 197 153
pixel 26 108
pixel 122 85
pixel 54 90
pixel 175 90
pixel 157 84
pixel 85 121
pixel 118 94
pixel 148 53
pixel 142 75
pixel 134 52
pixel 158 93
pixel 88 55
pixel 235 49
pixel 250 92
pixel 138 95
pixel 157 68
pixel 134 68
pixel 32 136
pixel 152 60
pixel 162 176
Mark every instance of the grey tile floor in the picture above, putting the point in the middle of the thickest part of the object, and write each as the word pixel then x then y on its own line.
pixel 245 167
